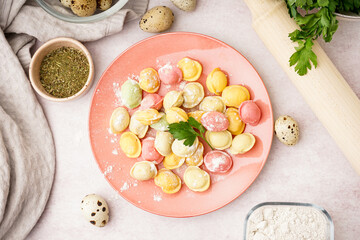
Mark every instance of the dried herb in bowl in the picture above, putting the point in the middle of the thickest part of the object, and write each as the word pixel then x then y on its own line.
pixel 64 72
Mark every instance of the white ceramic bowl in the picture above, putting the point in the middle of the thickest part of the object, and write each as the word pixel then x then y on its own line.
pixel 34 70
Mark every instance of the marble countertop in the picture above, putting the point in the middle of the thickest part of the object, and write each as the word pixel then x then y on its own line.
pixel 313 171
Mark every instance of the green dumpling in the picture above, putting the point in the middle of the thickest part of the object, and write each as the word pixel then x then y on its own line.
pixel 131 94
pixel 162 125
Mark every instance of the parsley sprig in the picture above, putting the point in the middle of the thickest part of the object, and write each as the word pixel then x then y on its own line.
pixel 186 130
pixel 318 19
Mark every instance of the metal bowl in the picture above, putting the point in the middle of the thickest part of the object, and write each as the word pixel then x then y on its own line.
pixel 348 16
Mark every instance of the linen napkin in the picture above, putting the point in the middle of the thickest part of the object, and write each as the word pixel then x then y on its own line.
pixel 27 153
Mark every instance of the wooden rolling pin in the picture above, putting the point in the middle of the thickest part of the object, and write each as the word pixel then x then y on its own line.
pixel 324 89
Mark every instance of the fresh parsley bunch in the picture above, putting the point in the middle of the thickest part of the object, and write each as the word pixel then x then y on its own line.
pixel 317 20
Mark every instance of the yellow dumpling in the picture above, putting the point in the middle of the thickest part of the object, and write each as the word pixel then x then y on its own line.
pixel 216 81
pixel 242 143
pixel 212 103
pixel 196 179
pixel 191 69
pixel 180 149
pixel 193 94
pixel 197 158
pixel 234 95
pixel 168 181
pixel 163 142
pixel 175 115
pixel 143 170
pixel 236 126
pixel 196 115
pixel 173 99
pixel 219 140
pixel 149 80
pixel 173 161
pixel 119 120
pixel 130 145
pixel 148 116
pixel 137 127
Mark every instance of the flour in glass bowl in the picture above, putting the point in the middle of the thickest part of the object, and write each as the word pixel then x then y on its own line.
pixel 287 223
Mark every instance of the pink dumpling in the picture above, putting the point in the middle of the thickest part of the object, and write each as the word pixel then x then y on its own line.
pixel 215 121
pixel 152 101
pixel 218 162
pixel 170 74
pixel 250 112
pixel 148 151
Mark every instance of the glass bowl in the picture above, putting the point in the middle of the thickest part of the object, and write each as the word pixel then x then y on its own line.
pixel 56 9
pixel 320 210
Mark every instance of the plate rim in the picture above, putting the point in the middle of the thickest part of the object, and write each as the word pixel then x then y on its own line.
pixel 191 34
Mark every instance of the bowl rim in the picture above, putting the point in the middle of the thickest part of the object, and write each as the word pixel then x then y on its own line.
pixel 76 19
pixel 34 81
pixel 344 15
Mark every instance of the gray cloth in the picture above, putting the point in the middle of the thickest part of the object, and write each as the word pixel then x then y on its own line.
pixel 27 153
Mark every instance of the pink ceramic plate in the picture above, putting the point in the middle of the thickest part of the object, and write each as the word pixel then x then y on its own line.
pixel 155 52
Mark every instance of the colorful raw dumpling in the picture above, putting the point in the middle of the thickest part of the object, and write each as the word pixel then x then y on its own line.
pixel 191 69
pixel 149 153
pixel 178 147
pixel 130 145
pixel 196 115
pixel 148 116
pixel 197 158
pixel 170 74
pixel 236 126
pixel 175 115
pixel 250 112
pixel 137 127
pixel 161 125
pixel 212 103
pixel 193 94
pixel 149 80
pixel 242 143
pixel 119 120
pixel 163 142
pixel 216 81
pixel 219 140
pixel 143 171
pixel 154 101
pixel 234 95
pixel 218 161
pixel 173 99
pixel 215 121
pixel 173 161
pixel 168 181
pixel 131 94
pixel 196 179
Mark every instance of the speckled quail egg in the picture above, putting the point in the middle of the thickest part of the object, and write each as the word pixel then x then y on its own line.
pixel 157 19
pixel 95 210
pixel 66 3
pixel 83 8
pixel 287 130
pixel 104 4
pixel 185 5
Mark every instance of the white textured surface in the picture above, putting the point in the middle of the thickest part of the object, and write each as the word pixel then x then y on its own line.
pixel 313 171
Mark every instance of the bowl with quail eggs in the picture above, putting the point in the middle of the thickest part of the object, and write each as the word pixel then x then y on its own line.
pixel 81 11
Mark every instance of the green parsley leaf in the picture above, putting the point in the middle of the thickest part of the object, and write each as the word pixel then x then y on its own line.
pixel 303 56
pixel 185 130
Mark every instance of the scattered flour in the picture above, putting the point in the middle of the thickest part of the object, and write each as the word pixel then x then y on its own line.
pixel 108 170
pixel 157 198
pixel 124 187
pixel 115 152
